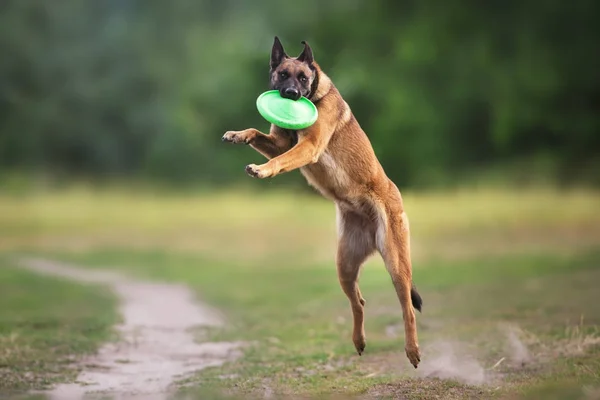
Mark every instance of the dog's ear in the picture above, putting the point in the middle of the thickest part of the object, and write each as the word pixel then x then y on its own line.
pixel 307 54
pixel 277 53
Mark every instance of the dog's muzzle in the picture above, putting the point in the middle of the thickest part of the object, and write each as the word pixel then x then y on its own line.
pixel 290 93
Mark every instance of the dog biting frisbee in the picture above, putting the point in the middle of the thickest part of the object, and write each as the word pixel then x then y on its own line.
pixel 286 113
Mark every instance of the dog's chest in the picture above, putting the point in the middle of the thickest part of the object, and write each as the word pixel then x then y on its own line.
pixel 327 177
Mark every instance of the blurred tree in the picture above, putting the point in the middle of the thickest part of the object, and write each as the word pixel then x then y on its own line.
pixel 145 88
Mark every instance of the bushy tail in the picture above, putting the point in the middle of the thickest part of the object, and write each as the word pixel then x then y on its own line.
pixel 415 297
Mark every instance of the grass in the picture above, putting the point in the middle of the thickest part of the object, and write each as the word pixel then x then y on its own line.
pixel 45 324
pixel 458 224
pixel 299 321
pixel 487 262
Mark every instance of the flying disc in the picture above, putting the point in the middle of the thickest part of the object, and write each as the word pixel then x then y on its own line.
pixel 286 113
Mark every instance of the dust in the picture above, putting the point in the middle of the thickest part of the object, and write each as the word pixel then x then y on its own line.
pixel 156 346
pixel 458 361
pixel 525 347
pixel 452 360
pixel 517 350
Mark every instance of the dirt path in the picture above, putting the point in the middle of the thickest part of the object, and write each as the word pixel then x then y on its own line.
pixel 156 346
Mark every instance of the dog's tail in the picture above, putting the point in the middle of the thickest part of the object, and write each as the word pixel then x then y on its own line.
pixel 415 297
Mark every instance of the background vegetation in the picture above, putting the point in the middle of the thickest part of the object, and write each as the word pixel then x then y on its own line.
pixel 446 91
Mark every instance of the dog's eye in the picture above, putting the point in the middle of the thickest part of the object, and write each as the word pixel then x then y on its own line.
pixel 283 75
pixel 303 79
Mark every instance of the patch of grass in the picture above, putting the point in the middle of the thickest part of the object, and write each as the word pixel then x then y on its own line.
pixel 248 226
pixel 300 321
pixel 485 261
pixel 45 324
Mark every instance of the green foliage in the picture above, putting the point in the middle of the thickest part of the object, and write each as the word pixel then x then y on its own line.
pixel 146 88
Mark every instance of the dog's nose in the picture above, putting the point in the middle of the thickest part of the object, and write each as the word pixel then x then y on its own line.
pixel 291 93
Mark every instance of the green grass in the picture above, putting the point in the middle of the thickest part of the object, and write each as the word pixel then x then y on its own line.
pixel 300 322
pixel 484 261
pixel 255 227
pixel 45 324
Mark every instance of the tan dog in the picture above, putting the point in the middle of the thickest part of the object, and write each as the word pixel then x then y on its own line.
pixel 336 157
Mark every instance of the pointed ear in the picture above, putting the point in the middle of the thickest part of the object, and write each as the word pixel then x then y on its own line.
pixel 307 54
pixel 277 53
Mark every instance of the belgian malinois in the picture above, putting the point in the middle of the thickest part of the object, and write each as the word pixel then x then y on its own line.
pixel 336 157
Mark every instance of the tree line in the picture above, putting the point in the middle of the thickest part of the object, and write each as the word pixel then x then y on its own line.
pixel 146 88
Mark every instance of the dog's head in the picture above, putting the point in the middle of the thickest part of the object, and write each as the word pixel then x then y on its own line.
pixel 293 77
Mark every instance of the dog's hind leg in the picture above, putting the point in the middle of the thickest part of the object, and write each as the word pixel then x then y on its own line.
pixel 356 234
pixel 393 242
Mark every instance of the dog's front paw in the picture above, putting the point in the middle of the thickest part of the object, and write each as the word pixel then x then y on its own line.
pixel 413 354
pixel 235 137
pixel 257 171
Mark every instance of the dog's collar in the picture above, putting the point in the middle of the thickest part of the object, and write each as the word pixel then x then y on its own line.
pixel 320 87
pixel 323 95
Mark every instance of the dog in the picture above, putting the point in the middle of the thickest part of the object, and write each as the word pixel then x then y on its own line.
pixel 336 157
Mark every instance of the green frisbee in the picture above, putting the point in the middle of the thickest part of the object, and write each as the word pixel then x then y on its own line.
pixel 286 113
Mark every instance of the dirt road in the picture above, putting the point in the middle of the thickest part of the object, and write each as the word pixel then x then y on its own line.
pixel 156 346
